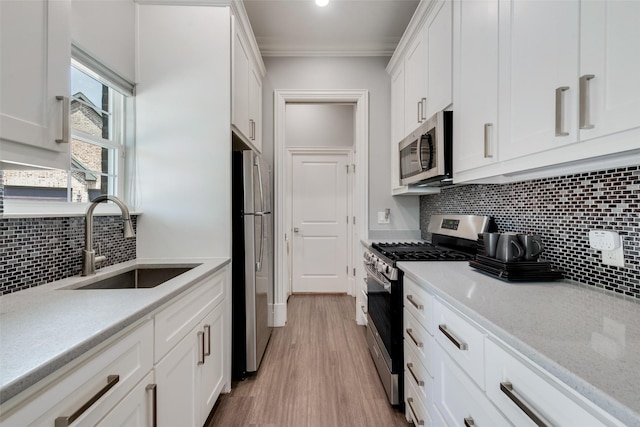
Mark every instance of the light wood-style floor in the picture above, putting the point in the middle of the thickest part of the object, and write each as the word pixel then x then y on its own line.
pixel 317 372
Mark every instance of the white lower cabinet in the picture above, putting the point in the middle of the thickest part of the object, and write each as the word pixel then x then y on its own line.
pixel 137 409
pixel 458 399
pixel 529 396
pixel 463 375
pixel 104 378
pixel 191 375
pixel 121 385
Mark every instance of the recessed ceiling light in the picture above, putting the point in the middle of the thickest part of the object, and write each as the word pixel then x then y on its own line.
pixel 322 3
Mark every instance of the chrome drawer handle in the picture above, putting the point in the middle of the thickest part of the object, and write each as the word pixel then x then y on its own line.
pixel 201 348
pixel 415 304
pixel 413 374
pixel 534 415
pixel 112 380
pixel 460 344
pixel 66 108
pixel 207 330
pixel 415 341
pixel 362 307
pixel 560 111
pixel 154 406
pixel 585 102
pixel 418 421
pixel 488 152
pixel 468 422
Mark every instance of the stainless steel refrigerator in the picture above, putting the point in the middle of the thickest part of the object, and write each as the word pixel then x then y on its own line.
pixel 252 261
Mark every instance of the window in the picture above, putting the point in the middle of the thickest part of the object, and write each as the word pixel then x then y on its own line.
pixel 96 166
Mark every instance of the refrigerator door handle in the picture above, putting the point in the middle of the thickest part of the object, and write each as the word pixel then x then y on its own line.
pixel 261 215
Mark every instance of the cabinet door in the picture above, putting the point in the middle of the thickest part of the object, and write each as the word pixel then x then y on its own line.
pixel 255 108
pixel 397 122
pixel 212 371
pixel 476 89
pixel 540 46
pixel 439 32
pixel 458 399
pixel 176 376
pixel 136 409
pixel 415 68
pixel 240 95
pixel 34 69
pixel 610 52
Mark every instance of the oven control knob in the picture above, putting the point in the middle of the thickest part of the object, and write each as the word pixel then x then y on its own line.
pixel 381 267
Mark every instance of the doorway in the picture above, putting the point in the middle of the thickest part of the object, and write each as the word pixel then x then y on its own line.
pixel 327 162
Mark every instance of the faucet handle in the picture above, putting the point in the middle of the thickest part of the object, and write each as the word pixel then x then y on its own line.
pixel 99 258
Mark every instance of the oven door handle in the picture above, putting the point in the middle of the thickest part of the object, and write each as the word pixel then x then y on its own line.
pixel 385 284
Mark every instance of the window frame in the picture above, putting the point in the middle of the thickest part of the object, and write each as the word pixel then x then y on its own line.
pixel 122 141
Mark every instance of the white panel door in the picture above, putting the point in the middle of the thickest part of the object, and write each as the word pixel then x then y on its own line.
pixel 319 214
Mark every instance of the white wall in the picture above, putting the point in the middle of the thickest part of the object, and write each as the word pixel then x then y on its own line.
pixel 341 73
pixel 105 29
pixel 320 125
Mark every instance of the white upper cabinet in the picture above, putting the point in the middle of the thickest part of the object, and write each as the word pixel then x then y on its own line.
pixel 34 74
pixel 475 124
pixel 415 74
pixel 247 74
pixel 568 92
pixel 540 60
pixel 609 67
pixel 439 33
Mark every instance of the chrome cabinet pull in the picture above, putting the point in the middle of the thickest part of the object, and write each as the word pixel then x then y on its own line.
pixel 112 380
pixel 415 341
pixel 460 344
pixel 585 102
pixel 207 330
pixel 534 415
pixel 414 303
pixel 419 111
pixel 201 347
pixel 468 422
pixel 153 388
pixel 488 153
pixel 424 108
pixel 413 374
pixel 66 106
pixel 560 111
pixel 418 421
pixel 362 306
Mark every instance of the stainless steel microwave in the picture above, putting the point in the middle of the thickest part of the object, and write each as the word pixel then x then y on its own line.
pixel 425 155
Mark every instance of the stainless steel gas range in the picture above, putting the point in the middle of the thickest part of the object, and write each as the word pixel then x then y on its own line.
pixel 453 239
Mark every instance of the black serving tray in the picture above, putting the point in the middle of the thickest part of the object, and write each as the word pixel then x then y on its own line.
pixel 521 271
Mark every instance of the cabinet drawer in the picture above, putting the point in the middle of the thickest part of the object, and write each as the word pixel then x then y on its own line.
pixel 517 388
pixel 416 374
pixel 136 409
pixel 419 303
pixel 458 399
pixel 106 377
pixel 418 339
pixel 174 322
pixel 415 408
pixel 461 340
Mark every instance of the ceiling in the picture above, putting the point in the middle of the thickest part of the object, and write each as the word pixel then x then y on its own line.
pixel 342 28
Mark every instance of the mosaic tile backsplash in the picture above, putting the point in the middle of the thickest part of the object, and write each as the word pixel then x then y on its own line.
pixel 35 251
pixel 562 210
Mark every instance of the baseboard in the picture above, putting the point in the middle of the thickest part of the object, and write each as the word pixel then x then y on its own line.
pixel 277 315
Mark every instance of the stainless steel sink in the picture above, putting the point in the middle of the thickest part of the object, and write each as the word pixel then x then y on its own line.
pixel 141 277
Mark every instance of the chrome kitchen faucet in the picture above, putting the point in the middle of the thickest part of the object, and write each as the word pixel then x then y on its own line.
pixel 89 258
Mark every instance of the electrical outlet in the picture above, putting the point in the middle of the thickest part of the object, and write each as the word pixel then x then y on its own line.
pixel 614 257
pixel 383 218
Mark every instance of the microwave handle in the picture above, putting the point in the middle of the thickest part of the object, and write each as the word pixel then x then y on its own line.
pixel 419 148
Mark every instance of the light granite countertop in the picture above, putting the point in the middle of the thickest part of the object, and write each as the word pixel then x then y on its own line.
pixel 44 328
pixel 585 337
